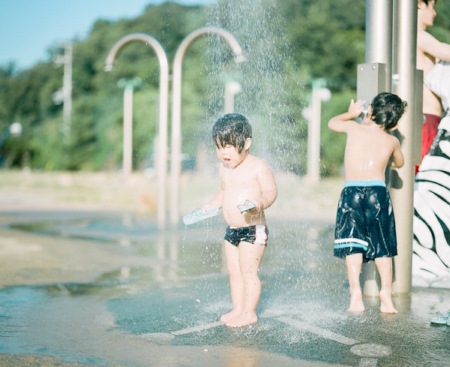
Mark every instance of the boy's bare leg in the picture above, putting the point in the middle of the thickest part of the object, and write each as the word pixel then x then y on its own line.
pixel 236 282
pixel 384 267
pixel 354 263
pixel 250 256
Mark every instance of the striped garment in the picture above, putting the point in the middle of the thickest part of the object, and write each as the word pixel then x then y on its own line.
pixel 431 223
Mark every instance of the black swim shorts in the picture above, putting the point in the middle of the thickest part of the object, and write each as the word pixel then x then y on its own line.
pixel 252 234
pixel 365 221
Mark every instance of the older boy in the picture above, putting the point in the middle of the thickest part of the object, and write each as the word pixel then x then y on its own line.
pixel 365 225
pixel 244 178
pixel 429 49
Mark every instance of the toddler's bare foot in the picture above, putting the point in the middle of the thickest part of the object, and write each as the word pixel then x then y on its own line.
pixel 244 319
pixel 356 303
pixel 386 302
pixel 229 315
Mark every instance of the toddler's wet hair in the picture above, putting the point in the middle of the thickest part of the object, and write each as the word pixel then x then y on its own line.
pixel 387 108
pixel 232 129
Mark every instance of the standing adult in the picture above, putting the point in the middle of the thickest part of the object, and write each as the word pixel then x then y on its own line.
pixel 429 50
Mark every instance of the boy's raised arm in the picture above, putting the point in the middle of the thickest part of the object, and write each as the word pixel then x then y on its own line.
pixel 340 123
pixel 430 45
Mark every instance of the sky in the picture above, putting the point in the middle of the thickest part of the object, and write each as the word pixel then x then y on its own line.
pixel 29 27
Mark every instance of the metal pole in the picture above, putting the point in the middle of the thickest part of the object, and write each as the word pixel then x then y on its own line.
pixel 231 89
pixel 67 92
pixel 394 44
pixel 319 94
pixel 175 162
pixel 163 111
pixel 403 198
pixel 313 170
pixel 378 63
pixel 127 156
pixel 127 129
pixel 379 35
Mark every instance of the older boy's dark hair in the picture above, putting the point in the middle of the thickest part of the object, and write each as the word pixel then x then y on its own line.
pixel 427 1
pixel 233 129
pixel 387 108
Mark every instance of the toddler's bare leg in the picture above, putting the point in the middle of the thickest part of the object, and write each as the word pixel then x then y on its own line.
pixel 250 256
pixel 354 263
pixel 384 266
pixel 236 282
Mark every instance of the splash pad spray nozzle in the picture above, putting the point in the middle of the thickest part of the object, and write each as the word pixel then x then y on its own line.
pixel 161 161
pixel 240 58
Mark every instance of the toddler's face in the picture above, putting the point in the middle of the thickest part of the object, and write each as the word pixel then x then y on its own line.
pixel 229 155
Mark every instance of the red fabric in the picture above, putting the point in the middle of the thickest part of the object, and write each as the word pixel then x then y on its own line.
pixel 429 131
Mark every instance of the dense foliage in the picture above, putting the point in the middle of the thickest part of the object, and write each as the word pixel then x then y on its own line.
pixel 287 43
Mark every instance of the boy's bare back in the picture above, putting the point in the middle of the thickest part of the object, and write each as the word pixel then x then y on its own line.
pixel 369 148
pixel 368 151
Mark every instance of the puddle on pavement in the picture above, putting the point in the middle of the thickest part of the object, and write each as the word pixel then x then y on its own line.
pixel 170 307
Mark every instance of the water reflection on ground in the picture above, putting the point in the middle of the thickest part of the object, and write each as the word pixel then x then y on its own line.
pixel 165 312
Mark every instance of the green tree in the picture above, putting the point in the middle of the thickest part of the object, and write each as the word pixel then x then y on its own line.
pixel 287 44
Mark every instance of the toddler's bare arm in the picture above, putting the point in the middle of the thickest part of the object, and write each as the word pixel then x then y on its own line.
pixel 216 202
pixel 268 186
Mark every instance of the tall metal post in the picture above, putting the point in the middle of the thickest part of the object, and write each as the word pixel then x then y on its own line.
pixel 319 94
pixel 127 130
pixel 127 158
pixel 403 198
pixel 161 162
pixel 373 78
pixel 313 166
pixel 379 36
pixel 231 89
pixel 67 92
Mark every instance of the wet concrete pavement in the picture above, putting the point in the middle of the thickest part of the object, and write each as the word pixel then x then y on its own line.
pixel 93 288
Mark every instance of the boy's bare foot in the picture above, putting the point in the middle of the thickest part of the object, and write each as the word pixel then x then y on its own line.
pixel 356 303
pixel 386 302
pixel 229 315
pixel 244 319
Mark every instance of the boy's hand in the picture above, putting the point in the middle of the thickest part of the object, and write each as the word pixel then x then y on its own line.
pixel 342 123
pixel 258 207
pixel 248 206
pixel 356 108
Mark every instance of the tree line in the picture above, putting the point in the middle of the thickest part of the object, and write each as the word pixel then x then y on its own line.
pixel 288 45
